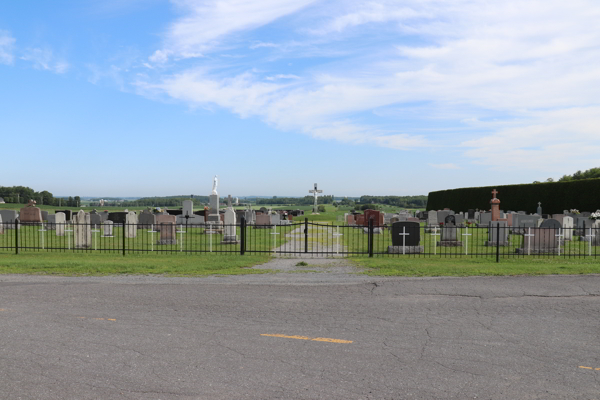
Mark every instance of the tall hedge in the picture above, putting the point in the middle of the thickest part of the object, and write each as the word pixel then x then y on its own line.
pixel 555 197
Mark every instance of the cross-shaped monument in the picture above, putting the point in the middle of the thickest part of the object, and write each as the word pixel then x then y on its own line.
pixel 315 192
pixel 495 202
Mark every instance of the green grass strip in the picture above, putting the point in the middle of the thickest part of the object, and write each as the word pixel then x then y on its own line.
pixel 66 264
pixel 475 267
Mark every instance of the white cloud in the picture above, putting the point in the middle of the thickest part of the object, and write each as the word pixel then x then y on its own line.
pixel 45 60
pixel 7 43
pixel 531 63
pixel 208 21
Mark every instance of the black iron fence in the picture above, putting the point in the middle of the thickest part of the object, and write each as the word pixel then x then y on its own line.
pixel 293 238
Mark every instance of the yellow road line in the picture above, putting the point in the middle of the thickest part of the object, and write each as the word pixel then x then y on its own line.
pixel 582 367
pixel 318 339
pixel 99 319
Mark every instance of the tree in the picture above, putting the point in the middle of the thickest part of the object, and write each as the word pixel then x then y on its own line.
pixel 77 201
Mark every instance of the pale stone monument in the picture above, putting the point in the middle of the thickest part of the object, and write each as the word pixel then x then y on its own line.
pixel 1 226
pixel 107 227
pixel 213 214
pixel 230 236
pixel 131 221
pixel 82 230
pixel 315 193
pixel 60 220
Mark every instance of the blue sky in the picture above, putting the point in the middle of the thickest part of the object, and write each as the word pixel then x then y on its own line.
pixel 148 97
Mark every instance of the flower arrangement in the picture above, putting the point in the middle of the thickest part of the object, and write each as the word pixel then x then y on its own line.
pixel 595 215
pixel 441 223
pixel 574 211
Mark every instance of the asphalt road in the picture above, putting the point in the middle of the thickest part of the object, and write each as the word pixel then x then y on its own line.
pixel 337 337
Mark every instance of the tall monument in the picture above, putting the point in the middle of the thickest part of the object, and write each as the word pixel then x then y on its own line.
pixel 213 213
pixel 315 192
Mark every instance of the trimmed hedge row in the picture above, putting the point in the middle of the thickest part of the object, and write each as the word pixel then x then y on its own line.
pixel 583 195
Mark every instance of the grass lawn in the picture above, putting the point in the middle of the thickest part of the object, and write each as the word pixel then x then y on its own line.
pixel 83 264
pixel 476 267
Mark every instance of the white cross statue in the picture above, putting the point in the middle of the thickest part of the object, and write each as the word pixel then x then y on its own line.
pixel 95 230
pixel 591 237
pixel 337 240
pixel 467 234
pixel 404 234
pixel 69 237
pixel 434 234
pixel 274 238
pixel 559 236
pixel 42 235
pixel 529 235
pixel 152 232
pixel 315 192
pixel 180 232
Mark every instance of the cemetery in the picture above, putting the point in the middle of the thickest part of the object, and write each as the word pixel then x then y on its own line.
pixel 336 232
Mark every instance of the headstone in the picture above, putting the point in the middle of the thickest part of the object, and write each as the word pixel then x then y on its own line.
pixel 350 219
pixel 449 236
pixel 9 217
pixel 107 228
pixel 188 208
pixel 263 221
pixel 441 215
pixel 82 230
pixel 406 237
pixel 360 220
pixel 60 222
pixel 495 206
pixel 493 233
pixel 117 217
pixel 374 215
pixel 485 218
pixel 95 218
pixel 213 215
pixel 275 219
pixel 450 219
pixel 471 213
pixel 68 214
pixel 539 209
pixel 44 215
pixel 146 220
pixel 30 214
pixel 131 221
pixel 544 239
pixel 432 218
pixel 165 224
pixel 567 224
pixel 230 236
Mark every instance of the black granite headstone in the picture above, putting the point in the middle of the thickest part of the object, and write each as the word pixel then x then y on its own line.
pixel 471 213
pixel 118 217
pixel 551 223
pixel 175 212
pixel 413 230
pixel 450 220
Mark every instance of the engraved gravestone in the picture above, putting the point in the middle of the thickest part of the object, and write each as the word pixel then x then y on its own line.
pixel 230 236
pixel 82 230
pixel 166 225
pixel 60 222
pixel 406 237
pixel 30 214
pixel 131 221
pixel 107 228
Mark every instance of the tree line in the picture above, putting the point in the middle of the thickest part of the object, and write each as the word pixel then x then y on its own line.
pixel 22 195
pixel 296 201
pixel 397 201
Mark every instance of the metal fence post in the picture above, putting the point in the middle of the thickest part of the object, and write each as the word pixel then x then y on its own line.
pixel 16 236
pixel 306 235
pixel 498 242
pixel 124 223
pixel 371 237
pixel 242 236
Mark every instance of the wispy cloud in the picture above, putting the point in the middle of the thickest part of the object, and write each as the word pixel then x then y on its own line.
pixel 533 65
pixel 206 22
pixel 44 59
pixel 7 43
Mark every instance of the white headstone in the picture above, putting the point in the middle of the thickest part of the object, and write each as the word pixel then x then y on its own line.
pixel 188 208
pixel 82 230
pixel 60 220
pixel 230 236
pixel 108 228
pixel 567 223
pixel 131 225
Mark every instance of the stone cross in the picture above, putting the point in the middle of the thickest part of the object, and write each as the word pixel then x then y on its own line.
pixel 494 193
pixel 315 192
pixel 403 234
